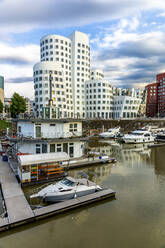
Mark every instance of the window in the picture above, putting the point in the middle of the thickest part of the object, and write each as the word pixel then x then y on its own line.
pixel 38 148
pixel 73 127
pixel 52 147
pixel 19 129
pixel 59 148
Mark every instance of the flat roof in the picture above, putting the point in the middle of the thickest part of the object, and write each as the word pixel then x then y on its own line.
pixel 47 120
pixel 42 158
pixel 48 140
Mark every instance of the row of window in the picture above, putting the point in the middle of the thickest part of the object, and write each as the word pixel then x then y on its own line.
pixel 99 108
pixel 98 96
pixel 98 90
pixel 83 45
pixel 53 85
pixel 47 72
pixel 57 53
pixel 54 40
pixel 57 79
pixel 98 84
pixel 56 47
pixel 100 102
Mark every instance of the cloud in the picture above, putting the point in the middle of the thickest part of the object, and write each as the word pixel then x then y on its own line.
pixel 24 89
pixel 13 60
pixel 25 15
pixel 133 60
pixel 121 49
pixel 16 65
pixel 20 80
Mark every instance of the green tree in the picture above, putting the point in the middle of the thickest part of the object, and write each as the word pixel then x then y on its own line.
pixel 18 105
pixel 1 107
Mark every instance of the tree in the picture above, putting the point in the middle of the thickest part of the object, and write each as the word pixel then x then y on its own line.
pixel 18 105
pixel 1 107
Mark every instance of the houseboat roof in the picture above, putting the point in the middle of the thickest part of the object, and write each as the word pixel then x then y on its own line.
pixel 42 158
pixel 47 120
pixel 44 140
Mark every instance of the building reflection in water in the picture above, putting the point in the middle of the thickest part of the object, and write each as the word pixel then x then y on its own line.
pixel 138 154
pixel 159 162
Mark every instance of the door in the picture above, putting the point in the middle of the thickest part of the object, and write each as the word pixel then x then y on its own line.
pixel 65 147
pixel 38 131
pixel 71 151
pixel 44 148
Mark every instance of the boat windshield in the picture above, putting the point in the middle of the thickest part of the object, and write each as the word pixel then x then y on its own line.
pixel 138 134
pixel 67 182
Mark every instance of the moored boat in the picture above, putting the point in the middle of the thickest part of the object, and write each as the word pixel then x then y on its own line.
pixel 138 136
pixel 160 137
pixel 111 133
pixel 66 189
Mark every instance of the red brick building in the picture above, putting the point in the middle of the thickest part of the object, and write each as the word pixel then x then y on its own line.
pixel 160 79
pixel 152 100
pixel 155 105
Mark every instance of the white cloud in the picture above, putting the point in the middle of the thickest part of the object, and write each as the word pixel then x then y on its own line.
pixel 24 89
pixel 24 15
pixel 16 65
pixel 129 58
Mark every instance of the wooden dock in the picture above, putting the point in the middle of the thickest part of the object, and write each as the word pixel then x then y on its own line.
pixel 18 209
pixel 85 163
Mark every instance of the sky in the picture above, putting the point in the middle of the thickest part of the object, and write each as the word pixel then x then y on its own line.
pixel 127 38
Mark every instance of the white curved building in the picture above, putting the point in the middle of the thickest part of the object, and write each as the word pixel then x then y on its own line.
pixel 99 99
pixel 59 89
pixel 72 57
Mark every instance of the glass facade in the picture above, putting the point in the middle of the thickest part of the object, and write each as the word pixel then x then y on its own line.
pixel 1 82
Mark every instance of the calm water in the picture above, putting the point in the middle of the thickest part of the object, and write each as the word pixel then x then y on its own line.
pixel 136 218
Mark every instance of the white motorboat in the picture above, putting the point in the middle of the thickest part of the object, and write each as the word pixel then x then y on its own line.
pixel 160 137
pixel 111 133
pixel 139 136
pixel 66 189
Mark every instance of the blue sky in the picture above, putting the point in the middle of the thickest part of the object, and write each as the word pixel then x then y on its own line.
pixel 127 38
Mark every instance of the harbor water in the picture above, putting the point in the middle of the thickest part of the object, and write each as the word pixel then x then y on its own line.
pixel 134 219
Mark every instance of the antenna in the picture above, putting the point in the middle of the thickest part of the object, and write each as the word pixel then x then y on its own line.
pixel 50 88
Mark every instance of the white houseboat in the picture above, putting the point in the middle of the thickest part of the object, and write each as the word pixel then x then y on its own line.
pixel 36 136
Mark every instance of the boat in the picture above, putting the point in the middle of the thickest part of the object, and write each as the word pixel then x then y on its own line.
pixel 66 189
pixel 160 137
pixel 138 136
pixel 111 133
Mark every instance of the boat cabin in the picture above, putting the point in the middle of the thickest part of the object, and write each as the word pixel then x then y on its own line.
pixel 41 167
pixel 42 128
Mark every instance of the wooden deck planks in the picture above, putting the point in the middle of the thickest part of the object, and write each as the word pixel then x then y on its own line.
pixel 17 206
pixel 71 204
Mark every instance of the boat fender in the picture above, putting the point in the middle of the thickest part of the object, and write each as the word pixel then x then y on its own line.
pixel 43 198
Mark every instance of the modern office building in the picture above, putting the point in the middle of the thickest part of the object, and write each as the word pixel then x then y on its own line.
pixel 96 74
pixel 68 59
pixel 107 102
pixel 160 79
pixel 126 107
pixel 2 89
pixel 152 100
pixel 99 99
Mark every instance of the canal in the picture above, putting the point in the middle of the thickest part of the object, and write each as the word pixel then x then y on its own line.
pixel 135 219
